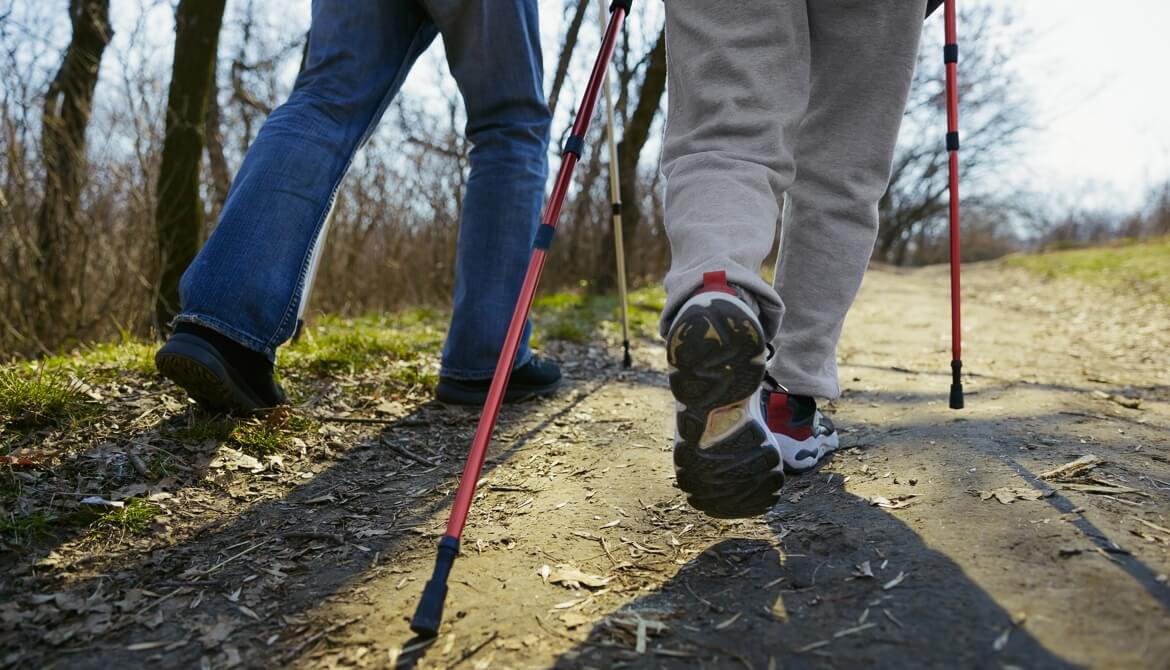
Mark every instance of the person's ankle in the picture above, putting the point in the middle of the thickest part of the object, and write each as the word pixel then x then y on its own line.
pixel 250 363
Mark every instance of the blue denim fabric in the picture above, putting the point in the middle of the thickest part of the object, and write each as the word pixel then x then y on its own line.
pixel 249 280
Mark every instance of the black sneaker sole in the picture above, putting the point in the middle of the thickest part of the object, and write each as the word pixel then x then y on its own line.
pixel 201 371
pixel 716 352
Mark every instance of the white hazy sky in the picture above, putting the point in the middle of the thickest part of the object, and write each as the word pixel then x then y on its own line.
pixel 1097 73
pixel 1095 70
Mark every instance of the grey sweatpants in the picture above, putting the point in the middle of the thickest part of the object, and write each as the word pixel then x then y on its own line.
pixel 775 97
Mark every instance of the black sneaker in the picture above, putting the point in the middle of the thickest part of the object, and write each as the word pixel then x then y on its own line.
pixel 536 378
pixel 219 373
pixel 725 458
pixel 803 433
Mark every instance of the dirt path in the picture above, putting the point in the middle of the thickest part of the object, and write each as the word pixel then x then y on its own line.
pixel 890 556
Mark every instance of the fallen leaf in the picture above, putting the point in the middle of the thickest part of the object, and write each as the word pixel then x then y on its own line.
pixel 228 458
pixel 98 501
pixel 574 619
pixel 573 578
pixel 1002 640
pixel 898 502
pixel 213 635
pixel 729 621
pixel 147 646
pixel 894 582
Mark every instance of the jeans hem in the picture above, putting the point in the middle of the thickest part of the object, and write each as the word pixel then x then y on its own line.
pixel 466 374
pixel 237 336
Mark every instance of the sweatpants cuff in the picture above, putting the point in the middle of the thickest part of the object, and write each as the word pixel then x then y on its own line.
pixel 799 382
pixel 755 291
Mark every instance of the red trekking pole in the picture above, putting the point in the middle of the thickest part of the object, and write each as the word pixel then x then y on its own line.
pixel 429 613
pixel 951 60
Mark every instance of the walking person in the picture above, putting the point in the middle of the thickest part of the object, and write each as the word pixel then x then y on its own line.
pixel 243 295
pixel 771 101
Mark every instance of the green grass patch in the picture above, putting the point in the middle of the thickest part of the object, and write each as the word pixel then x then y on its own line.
pixel 108 361
pixel 256 436
pixel 1140 267
pixel 337 345
pixel 42 397
pixel 270 435
pixel 199 428
pixel 134 518
pixel 21 530
pixel 258 439
pixel 579 317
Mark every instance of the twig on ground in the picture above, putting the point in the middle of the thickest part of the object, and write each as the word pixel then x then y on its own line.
pixel 317 636
pixel 310 535
pixel 359 419
pixel 554 631
pixel 725 651
pixel 474 650
pixel 402 451
pixel 161 600
pixel 224 562
pixel 701 599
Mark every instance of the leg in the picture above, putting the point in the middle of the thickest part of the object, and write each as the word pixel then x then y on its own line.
pixel 738 88
pixel 863 57
pixel 249 279
pixel 493 47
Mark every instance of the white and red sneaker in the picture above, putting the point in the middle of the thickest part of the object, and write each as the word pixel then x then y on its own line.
pixel 803 433
pixel 725 458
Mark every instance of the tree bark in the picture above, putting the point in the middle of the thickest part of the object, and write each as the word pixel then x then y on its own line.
pixel 179 217
pixel 571 34
pixel 63 123
pixel 221 175
pixel 636 134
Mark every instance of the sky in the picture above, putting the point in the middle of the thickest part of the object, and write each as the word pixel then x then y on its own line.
pixel 1094 70
pixel 1098 77
pixel 1096 74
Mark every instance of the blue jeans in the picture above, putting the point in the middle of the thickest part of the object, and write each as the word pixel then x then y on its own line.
pixel 249 280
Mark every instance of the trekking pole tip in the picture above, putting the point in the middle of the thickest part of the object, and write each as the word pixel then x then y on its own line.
pixel 428 616
pixel 956 385
pixel 627 360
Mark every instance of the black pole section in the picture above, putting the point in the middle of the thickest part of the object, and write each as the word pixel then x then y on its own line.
pixel 628 361
pixel 956 385
pixel 429 613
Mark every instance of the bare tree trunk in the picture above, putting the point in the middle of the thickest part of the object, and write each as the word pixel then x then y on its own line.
pixel 63 123
pixel 179 217
pixel 566 57
pixel 636 134
pixel 221 176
